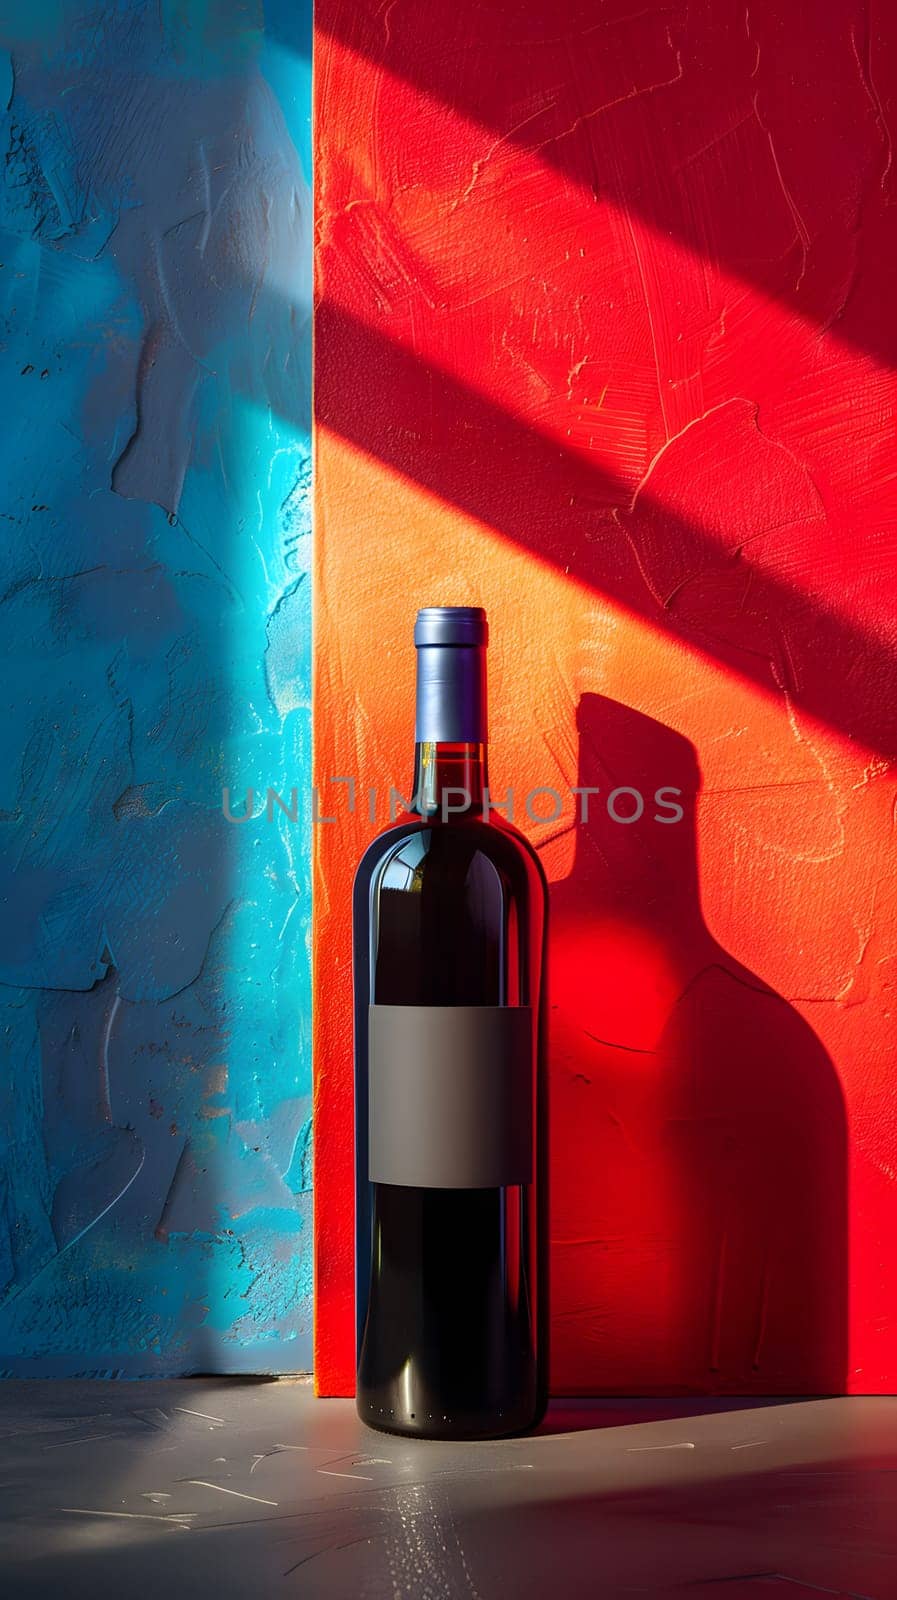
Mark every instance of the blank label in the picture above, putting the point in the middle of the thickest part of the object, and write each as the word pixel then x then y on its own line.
pixel 451 1096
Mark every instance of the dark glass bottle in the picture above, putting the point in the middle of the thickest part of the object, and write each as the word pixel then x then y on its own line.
pixel 451 1135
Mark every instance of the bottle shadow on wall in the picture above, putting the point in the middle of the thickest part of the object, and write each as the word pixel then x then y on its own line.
pixel 698 1133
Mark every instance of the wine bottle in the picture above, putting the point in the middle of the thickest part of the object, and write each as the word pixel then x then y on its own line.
pixel 450 911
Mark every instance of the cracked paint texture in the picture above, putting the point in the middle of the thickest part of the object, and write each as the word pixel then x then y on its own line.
pixel 154 972
pixel 606 342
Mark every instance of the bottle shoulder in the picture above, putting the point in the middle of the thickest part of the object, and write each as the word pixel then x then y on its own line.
pixel 496 839
pixel 525 846
pixel 384 845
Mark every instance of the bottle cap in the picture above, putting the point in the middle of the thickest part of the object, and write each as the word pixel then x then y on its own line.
pixel 451 625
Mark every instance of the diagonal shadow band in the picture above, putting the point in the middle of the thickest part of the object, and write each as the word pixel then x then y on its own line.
pixel 763 143
pixel 690 580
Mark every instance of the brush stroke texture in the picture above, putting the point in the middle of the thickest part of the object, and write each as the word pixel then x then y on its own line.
pixel 154 1009
pixel 607 344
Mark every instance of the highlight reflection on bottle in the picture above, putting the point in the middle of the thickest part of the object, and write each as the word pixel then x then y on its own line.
pixel 450 910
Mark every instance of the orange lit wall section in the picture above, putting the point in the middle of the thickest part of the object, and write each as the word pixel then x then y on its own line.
pixel 605 343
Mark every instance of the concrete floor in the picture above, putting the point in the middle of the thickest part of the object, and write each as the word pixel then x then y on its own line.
pixel 229 1487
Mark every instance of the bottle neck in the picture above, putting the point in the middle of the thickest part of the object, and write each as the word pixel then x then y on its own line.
pixel 449 779
pixel 450 734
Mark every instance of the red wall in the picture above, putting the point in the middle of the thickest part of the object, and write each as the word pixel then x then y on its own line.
pixel 606 332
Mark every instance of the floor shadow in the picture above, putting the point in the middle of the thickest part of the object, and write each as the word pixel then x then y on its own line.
pixel 234 1379
pixel 791 1505
pixel 715 1531
pixel 594 1415
pixel 698 1128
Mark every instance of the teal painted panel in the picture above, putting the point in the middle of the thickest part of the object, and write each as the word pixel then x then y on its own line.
pixel 155 1102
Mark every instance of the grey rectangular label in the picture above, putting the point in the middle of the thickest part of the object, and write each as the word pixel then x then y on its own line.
pixel 451 1096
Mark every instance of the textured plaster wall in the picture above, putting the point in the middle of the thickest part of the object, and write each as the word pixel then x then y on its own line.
pixel 155 1000
pixel 606 341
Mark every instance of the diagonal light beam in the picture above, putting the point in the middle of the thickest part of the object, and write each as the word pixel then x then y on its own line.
pixel 426 425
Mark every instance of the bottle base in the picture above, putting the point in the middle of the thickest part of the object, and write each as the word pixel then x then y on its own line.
pixel 426 1425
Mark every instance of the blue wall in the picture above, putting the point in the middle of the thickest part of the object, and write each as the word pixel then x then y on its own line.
pixel 155 237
